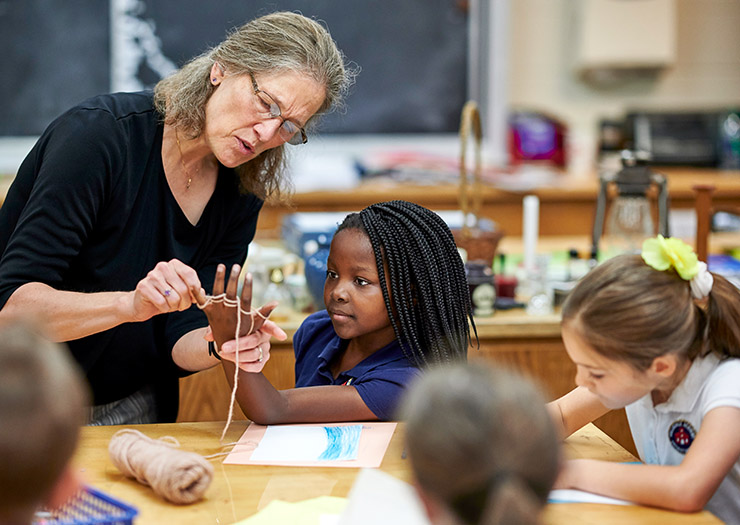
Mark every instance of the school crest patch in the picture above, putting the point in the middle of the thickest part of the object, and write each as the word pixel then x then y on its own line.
pixel 681 434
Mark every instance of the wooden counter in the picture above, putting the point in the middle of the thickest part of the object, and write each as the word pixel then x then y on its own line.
pixel 238 491
pixel 566 206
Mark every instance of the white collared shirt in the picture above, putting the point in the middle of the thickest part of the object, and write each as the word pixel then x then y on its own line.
pixel 662 433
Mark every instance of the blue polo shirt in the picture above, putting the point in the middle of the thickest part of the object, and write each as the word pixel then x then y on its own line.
pixel 380 379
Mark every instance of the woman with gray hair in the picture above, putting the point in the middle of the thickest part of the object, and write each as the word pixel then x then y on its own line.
pixel 129 201
pixel 482 445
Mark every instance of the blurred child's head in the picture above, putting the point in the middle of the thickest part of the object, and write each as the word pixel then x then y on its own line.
pixel 481 443
pixel 420 275
pixel 42 400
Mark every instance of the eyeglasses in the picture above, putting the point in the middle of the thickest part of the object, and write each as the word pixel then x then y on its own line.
pixel 268 108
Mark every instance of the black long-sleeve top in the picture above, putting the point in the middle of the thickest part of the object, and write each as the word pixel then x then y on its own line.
pixel 90 210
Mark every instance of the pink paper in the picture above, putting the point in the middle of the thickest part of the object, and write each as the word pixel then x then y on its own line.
pixel 374 440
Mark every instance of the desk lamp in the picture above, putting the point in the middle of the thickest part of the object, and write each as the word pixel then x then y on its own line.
pixel 630 217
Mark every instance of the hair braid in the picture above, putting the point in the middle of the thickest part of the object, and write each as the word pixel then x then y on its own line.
pixel 423 247
pixel 422 279
pixel 413 315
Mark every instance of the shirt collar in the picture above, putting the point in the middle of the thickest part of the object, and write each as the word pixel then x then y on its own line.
pixel 388 354
pixel 687 393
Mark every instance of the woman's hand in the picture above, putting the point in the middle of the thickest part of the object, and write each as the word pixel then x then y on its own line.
pixel 167 288
pixel 254 331
pixel 254 349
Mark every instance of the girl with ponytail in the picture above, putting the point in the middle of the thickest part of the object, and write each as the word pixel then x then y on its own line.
pixel 659 335
pixel 482 446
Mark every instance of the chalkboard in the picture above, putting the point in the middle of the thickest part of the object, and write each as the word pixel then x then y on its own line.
pixel 412 55
pixel 55 53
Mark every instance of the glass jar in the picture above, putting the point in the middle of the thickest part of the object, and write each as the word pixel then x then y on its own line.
pixel 482 288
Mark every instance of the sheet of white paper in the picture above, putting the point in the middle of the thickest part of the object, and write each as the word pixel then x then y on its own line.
pixel 294 443
pixel 579 496
pixel 377 497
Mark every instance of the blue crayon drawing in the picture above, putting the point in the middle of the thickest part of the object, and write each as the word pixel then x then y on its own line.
pixel 343 443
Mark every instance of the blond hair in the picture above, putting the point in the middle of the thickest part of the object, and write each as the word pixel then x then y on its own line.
pixel 278 42
pixel 42 400
pixel 626 310
pixel 482 443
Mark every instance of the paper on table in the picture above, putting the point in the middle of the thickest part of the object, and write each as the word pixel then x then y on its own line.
pixel 308 443
pixel 303 445
pixel 580 496
pixel 377 497
pixel 323 510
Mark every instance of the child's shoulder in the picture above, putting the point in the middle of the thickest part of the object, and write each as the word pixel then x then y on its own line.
pixel 721 377
pixel 729 367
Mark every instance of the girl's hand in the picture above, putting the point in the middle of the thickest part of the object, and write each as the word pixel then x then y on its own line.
pixel 222 318
pixel 167 288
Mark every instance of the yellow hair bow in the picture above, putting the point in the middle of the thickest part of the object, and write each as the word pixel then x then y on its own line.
pixel 662 253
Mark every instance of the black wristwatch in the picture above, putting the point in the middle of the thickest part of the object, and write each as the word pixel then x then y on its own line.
pixel 212 350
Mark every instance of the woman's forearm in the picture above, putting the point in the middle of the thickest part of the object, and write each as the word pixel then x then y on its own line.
pixel 191 352
pixel 70 315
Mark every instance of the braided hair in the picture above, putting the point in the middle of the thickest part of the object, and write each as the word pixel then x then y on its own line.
pixel 431 300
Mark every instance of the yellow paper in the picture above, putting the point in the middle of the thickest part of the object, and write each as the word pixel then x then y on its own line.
pixel 307 512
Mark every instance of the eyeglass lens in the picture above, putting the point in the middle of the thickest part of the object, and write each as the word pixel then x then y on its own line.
pixel 288 130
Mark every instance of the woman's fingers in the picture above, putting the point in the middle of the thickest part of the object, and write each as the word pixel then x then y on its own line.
pixel 184 279
pixel 152 293
pixel 250 359
pixel 274 330
pixel 255 363
pixel 199 294
pixel 168 285
pixel 246 342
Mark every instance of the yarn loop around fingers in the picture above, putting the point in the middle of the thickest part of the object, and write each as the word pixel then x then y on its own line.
pixel 234 303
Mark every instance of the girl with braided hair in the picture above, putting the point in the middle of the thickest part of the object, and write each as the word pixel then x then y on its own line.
pixel 396 300
pixel 659 335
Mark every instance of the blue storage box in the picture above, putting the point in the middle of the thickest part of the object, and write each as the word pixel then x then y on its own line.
pixel 304 232
pixel 89 507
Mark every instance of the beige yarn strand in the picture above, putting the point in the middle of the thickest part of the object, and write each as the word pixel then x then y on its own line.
pixel 176 475
pixel 234 303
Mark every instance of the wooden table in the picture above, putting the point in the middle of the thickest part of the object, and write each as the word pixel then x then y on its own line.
pixel 529 344
pixel 238 491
